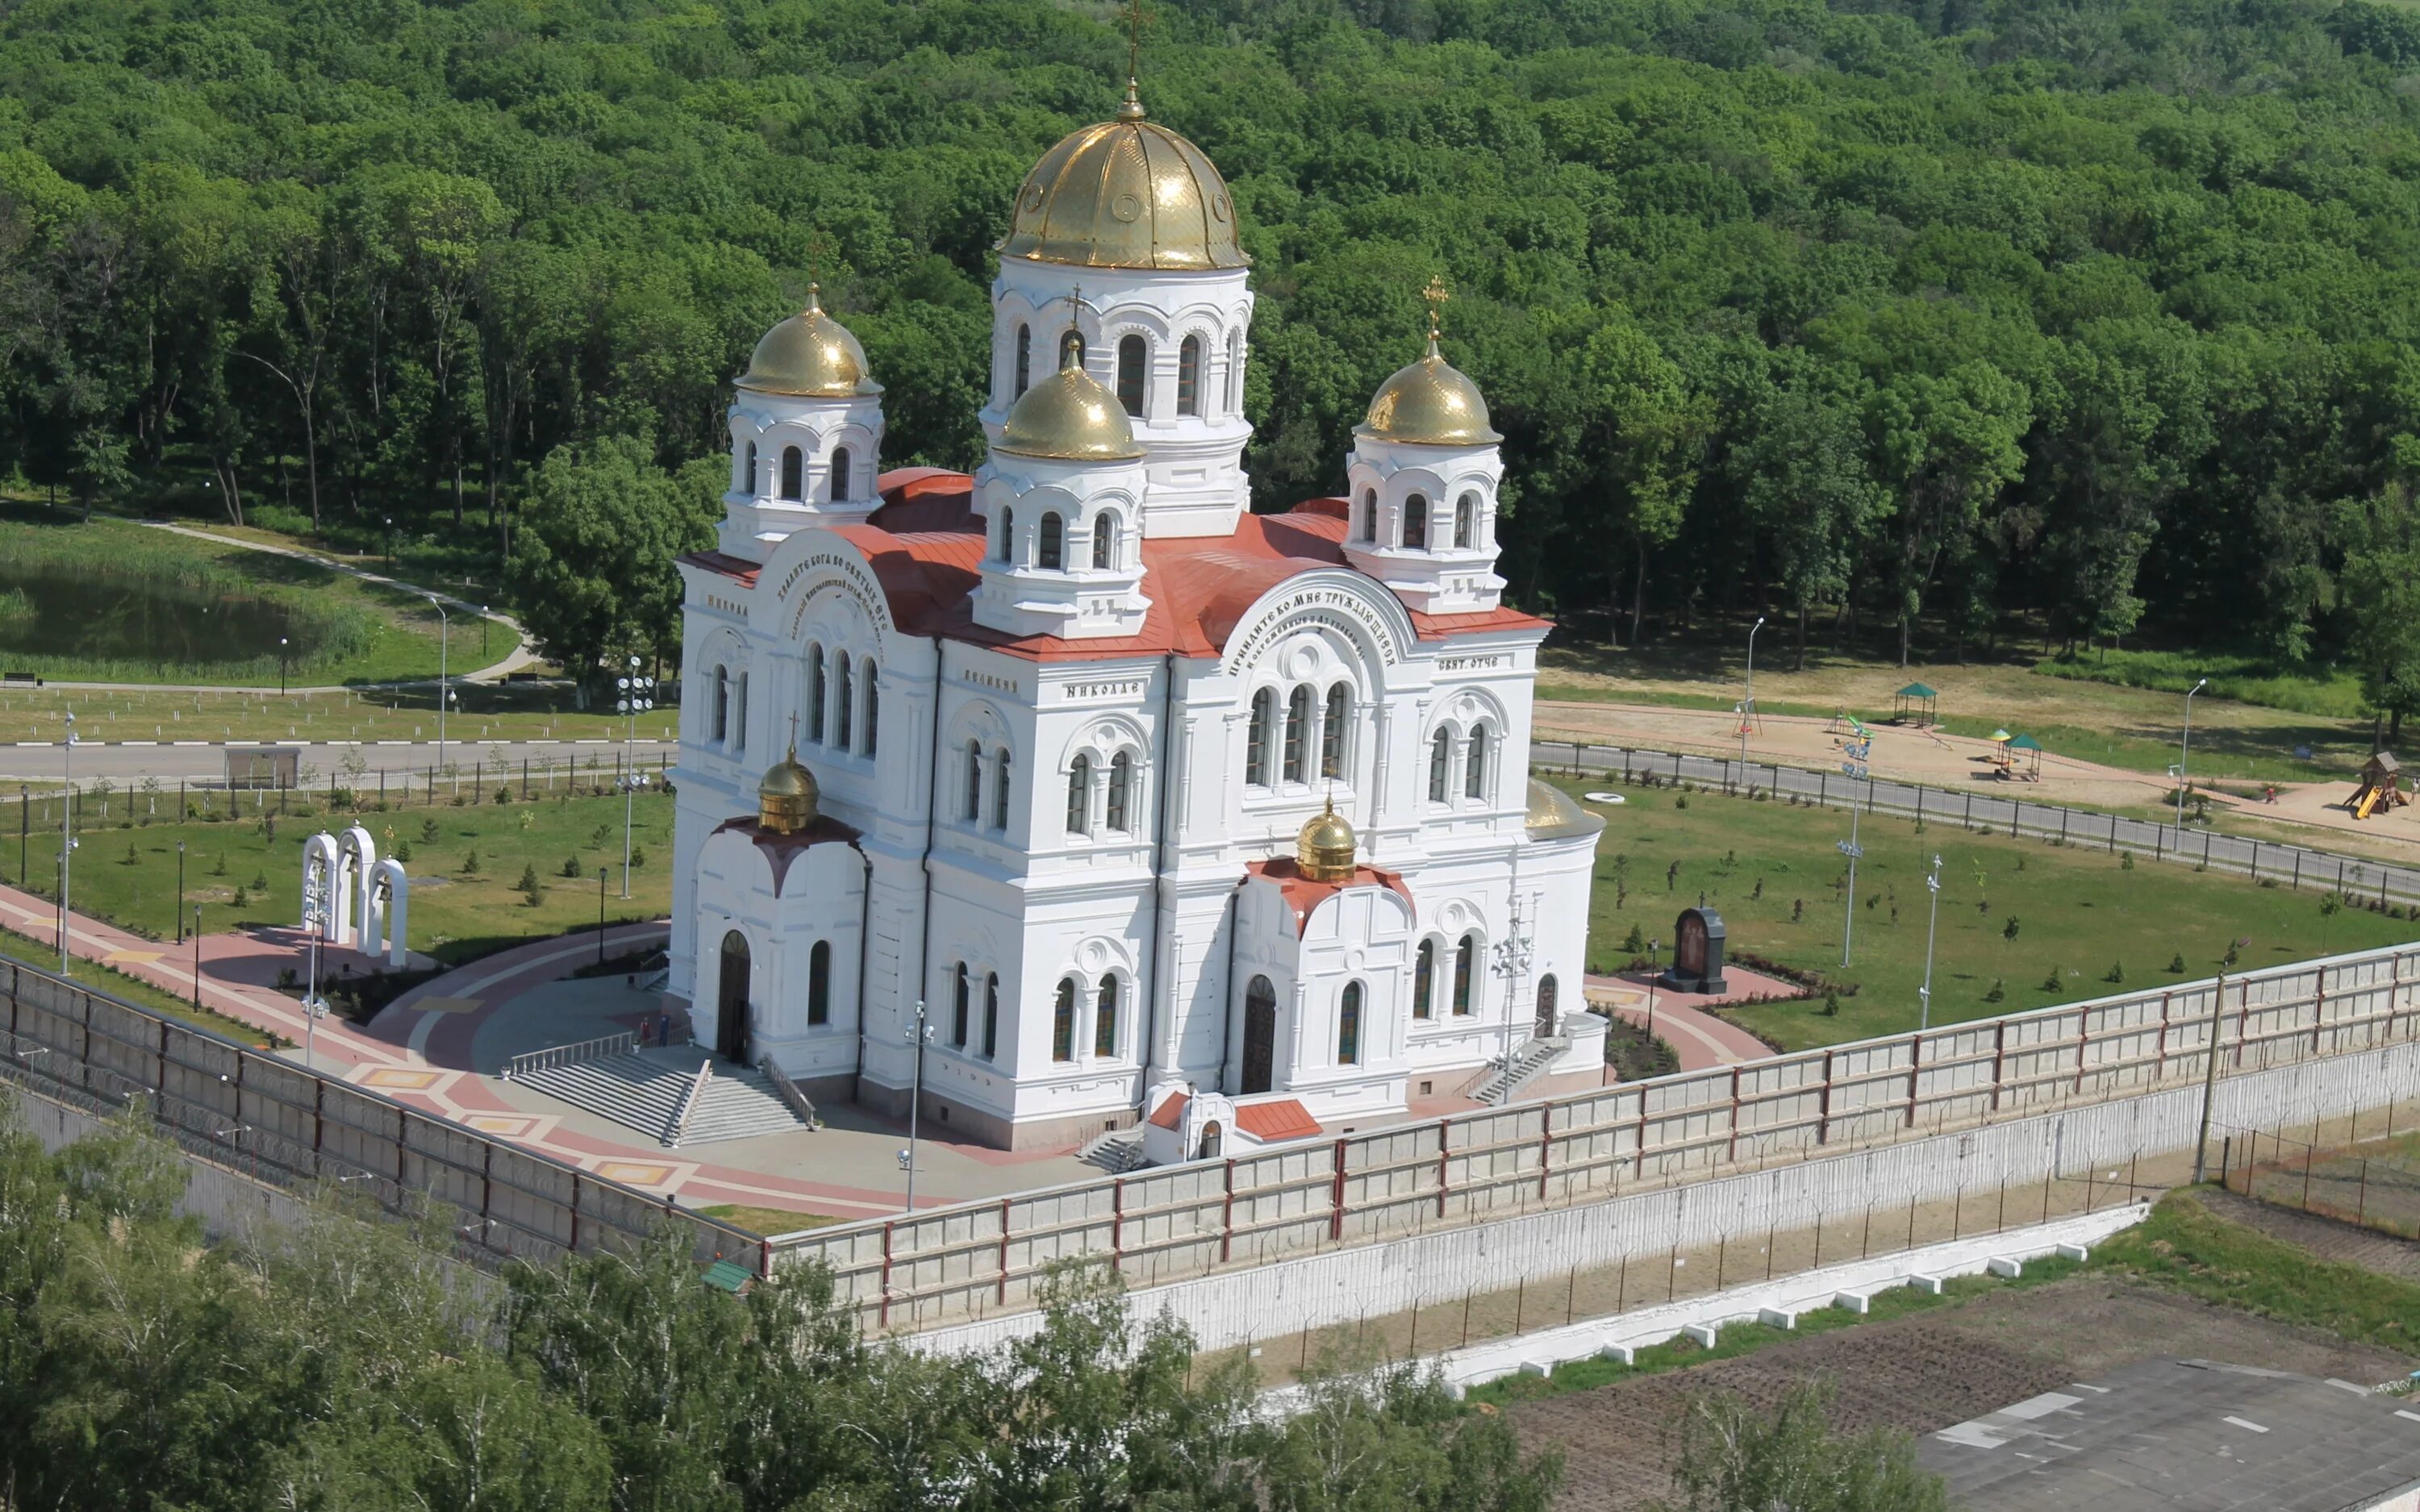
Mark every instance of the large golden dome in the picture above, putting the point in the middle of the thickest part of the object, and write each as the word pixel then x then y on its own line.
pixel 1324 851
pixel 1125 194
pixel 786 799
pixel 810 355
pixel 1069 416
pixel 1429 404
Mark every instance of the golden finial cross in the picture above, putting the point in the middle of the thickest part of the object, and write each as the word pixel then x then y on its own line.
pixel 1132 109
pixel 1436 296
pixel 794 734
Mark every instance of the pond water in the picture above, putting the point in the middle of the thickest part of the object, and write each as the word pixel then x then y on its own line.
pixel 103 617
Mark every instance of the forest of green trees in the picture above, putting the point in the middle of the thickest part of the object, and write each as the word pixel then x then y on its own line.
pixel 349 1366
pixel 1916 314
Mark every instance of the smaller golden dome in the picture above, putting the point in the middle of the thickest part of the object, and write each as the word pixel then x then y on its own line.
pixel 1429 404
pixel 785 800
pixel 1069 416
pixel 810 355
pixel 1324 851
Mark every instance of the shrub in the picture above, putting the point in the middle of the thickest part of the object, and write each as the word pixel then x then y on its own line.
pixel 131 858
pixel 1797 910
pixel 2009 930
pixel 2051 983
pixel 220 870
pixel 1999 991
pixel 503 795
pixel 571 868
pixel 2177 963
pixel 638 856
pixel 2126 861
pixel 429 831
pixel 1680 801
pixel 243 900
pixel 403 850
pixel 1831 1004
pixel 2117 972
pixel 471 863
pixel 1634 943
pixel 529 885
pixel 260 882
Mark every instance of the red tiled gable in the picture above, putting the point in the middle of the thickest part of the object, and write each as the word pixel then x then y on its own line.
pixel 1282 1119
pixel 926 547
pixel 1172 1112
pixel 1302 894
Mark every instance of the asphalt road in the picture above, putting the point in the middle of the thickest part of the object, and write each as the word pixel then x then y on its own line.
pixel 172 761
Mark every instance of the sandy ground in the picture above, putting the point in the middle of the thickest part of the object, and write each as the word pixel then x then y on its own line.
pixel 1923 1373
pixel 1922 755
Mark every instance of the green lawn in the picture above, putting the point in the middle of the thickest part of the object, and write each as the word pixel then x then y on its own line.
pixel 126 872
pixel 1772 872
pixel 116 983
pixel 481 712
pixel 150 604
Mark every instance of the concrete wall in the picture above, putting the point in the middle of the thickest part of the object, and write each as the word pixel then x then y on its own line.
pixel 226 1202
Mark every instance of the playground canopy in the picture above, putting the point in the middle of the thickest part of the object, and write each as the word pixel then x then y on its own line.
pixel 1915 698
pixel 2033 755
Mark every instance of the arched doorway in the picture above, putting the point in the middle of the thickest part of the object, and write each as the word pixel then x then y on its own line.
pixel 1213 1140
pixel 1546 1014
pixel 730 1001
pixel 1260 1035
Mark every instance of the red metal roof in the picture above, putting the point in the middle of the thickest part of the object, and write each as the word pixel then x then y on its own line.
pixel 1302 894
pixel 1278 1118
pixel 926 547
pixel 1172 1112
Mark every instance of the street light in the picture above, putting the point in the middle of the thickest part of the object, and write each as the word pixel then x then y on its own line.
pixel 2184 748
pixel 281 666
pixel 1858 751
pixel 445 631
pixel 389 543
pixel 1512 965
pixel 1654 973
pixel 67 834
pixel 179 909
pixel 1747 697
pixel 635 699
pixel 1932 886
pixel 197 955
pixel 918 1034
pixel 601 915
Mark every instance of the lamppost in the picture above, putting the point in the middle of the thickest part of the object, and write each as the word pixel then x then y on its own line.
pixel 2185 749
pixel 389 543
pixel 483 634
pixel 919 1035
pixel 197 955
pixel 634 702
pixel 66 833
pixel 24 826
pixel 601 915
pixel 1654 974
pixel 281 666
pixel 1512 965
pixel 179 909
pixel 1931 885
pixel 1856 750
pixel 444 631
pixel 1747 696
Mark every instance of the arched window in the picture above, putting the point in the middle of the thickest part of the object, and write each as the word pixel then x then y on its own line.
pixel 960 992
pixel 739 713
pixel 1007 534
pixel 1465 521
pixel 1131 361
pixel 840 489
pixel 1369 514
pixel 722 702
pixel 975 782
pixel 1050 552
pixel 991 1015
pixel 794 473
pixel 819 983
pixel 1062 1021
pixel 731 999
pixel 752 470
pixel 1105 1019
pixel 1260 1036
pixel 1079 797
pixel 1331 731
pixel 844 700
pixel 1466 959
pixel 1213 1140
pixel 1348 1026
pixel 1024 361
pixel 816 679
pixel 1071 348
pixel 1298 730
pixel 1234 372
pixel 1440 765
pixel 1256 740
pixel 873 706
pixel 1189 377
pixel 1000 789
pixel 1121 792
pixel 1105 541
pixel 1423 979
pixel 1416 523
pixel 1474 774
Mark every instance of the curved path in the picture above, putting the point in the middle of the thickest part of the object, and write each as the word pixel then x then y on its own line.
pixel 1697 1037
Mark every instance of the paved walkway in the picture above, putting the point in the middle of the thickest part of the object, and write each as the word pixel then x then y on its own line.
pixel 1699 1039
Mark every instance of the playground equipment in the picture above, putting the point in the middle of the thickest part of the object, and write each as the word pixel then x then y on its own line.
pixel 2025 758
pixel 2381 787
pixel 1915 703
pixel 2003 765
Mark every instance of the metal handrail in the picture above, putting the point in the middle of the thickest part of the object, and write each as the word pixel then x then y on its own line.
pixel 788 1090
pixel 625 1042
pixel 690 1099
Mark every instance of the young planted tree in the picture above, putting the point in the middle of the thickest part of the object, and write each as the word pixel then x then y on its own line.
pixel 1734 1459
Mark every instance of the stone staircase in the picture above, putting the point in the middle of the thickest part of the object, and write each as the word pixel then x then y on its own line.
pixel 644 1091
pixel 1117 1151
pixel 1528 1061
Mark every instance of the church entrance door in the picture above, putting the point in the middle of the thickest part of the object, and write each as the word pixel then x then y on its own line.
pixel 1546 1014
pixel 1260 1036
pixel 730 1010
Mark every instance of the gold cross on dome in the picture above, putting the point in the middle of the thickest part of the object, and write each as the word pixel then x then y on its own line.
pixel 793 735
pixel 1436 296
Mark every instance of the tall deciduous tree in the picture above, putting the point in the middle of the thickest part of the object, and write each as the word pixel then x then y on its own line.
pixel 592 563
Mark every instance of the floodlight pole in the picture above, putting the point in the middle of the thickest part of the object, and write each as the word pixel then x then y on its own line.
pixel 444 632
pixel 634 700
pixel 1747 696
pixel 1931 885
pixel 2185 749
pixel 66 833
pixel 919 1035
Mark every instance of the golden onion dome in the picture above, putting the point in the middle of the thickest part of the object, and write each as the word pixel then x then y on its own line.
pixel 810 355
pixel 1554 815
pixel 785 800
pixel 1125 194
pixel 1324 851
pixel 1069 416
pixel 1429 404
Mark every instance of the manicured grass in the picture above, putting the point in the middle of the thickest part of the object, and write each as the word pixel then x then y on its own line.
pixel 134 990
pixel 2185 1246
pixel 767 1221
pixel 2327 693
pixel 456 916
pixel 1679 1352
pixel 342 629
pixel 481 712
pixel 1773 871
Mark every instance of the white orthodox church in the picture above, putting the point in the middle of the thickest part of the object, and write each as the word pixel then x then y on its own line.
pixel 1146 801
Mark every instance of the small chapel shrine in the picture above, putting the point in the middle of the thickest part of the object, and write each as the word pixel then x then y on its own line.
pixel 1134 794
